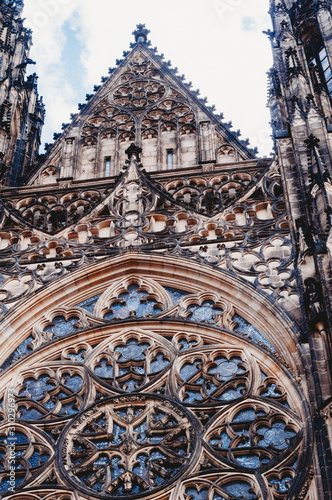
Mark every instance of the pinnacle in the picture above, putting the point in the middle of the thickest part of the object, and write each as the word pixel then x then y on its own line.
pixel 141 33
pixel 15 4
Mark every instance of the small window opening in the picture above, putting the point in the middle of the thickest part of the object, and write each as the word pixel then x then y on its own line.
pixel 326 68
pixel 169 159
pixel 318 60
pixel 107 166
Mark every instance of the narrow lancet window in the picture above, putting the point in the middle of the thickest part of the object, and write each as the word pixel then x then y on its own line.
pixel 326 69
pixel 107 171
pixel 319 64
pixel 169 159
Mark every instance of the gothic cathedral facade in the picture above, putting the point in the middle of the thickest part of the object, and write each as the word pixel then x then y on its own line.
pixel 165 294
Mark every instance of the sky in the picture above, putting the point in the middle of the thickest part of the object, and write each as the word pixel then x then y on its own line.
pixel 217 44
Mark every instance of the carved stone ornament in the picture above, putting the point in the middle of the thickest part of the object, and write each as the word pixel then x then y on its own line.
pixel 128 446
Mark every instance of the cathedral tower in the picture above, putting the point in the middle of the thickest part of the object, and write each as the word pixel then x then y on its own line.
pixel 21 111
pixel 165 309
pixel 300 103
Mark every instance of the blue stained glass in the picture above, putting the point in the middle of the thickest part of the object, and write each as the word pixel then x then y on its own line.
pixel 245 439
pixel 102 460
pixel 36 389
pixel 247 329
pixel 116 469
pixel 144 435
pixel 24 459
pixel 141 432
pixel 131 385
pixel 102 444
pixel 226 369
pixel 176 295
pixel 281 485
pixel 21 438
pixel 74 382
pixel 79 357
pixel 133 303
pixel 61 326
pixel 231 394
pixel 193 396
pixel 271 391
pixel 132 350
pixel 240 489
pixel 245 416
pixel 140 468
pixel 7 484
pixel 104 369
pixel 48 394
pixel 38 458
pixel 156 455
pixel 89 304
pixel 133 299
pixel 194 494
pixel 49 405
pixel 249 461
pixel 222 442
pixel 117 431
pixel 185 345
pixel 206 312
pixel 189 369
pixel 69 409
pixel 167 420
pixel 90 481
pixel 23 350
pixel 29 413
pixel 276 436
pixel 159 363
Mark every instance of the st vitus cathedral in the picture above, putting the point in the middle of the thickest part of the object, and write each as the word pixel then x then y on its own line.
pixel 165 295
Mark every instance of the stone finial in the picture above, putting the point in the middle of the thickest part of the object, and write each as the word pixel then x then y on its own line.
pixel 133 152
pixel 18 5
pixel 141 33
pixel 312 142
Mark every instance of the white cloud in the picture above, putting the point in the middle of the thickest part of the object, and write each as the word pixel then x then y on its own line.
pixel 217 44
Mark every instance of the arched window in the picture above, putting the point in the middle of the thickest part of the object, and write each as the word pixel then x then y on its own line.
pixel 319 64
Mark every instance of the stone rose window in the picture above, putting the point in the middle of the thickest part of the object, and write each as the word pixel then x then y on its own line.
pixel 151 392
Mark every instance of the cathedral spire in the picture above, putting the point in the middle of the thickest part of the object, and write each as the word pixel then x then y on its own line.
pixel 21 110
pixel 16 5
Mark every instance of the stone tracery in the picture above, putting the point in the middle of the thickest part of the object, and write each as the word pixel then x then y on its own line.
pixel 159 400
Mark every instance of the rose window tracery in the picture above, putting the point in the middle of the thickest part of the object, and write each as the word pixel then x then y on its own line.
pixel 132 364
pixel 60 326
pixel 234 490
pixel 148 391
pixel 254 437
pixel 206 312
pixel 30 453
pixel 136 446
pixel 51 394
pixel 134 302
pixel 212 378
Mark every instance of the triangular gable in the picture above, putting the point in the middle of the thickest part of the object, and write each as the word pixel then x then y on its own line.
pixel 142 101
